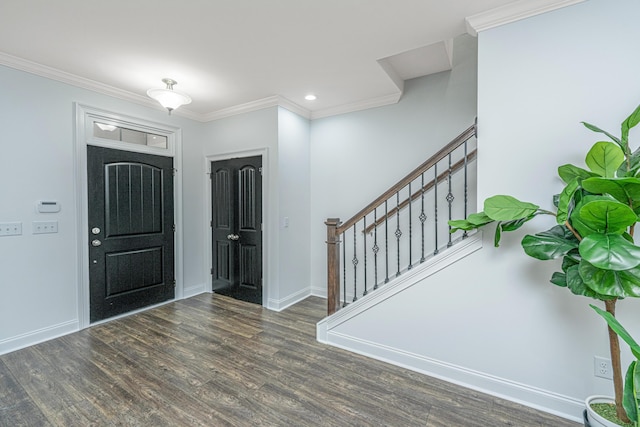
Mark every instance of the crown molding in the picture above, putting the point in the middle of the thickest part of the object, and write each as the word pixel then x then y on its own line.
pixel 357 106
pixel 513 12
pixel 84 83
pixel 272 101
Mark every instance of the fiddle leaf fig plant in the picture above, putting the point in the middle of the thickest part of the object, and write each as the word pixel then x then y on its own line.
pixel 596 216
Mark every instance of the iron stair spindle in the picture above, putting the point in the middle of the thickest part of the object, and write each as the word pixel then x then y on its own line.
pixel 398 231
pixel 410 266
pixel 344 270
pixel 386 240
pixel 423 217
pixel 466 196
pixel 375 248
pixel 435 206
pixel 355 266
pixel 364 249
pixel 450 199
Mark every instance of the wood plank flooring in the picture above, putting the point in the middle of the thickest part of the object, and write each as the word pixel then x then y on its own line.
pixel 214 361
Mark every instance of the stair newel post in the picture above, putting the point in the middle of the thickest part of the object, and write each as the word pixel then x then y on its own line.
pixel 333 265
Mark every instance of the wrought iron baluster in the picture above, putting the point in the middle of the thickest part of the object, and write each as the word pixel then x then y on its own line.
pixel 398 231
pixel 344 270
pixel 466 197
pixel 355 266
pixel 435 206
pixel 450 199
pixel 423 216
pixel 364 248
pixel 386 241
pixel 375 248
pixel 410 266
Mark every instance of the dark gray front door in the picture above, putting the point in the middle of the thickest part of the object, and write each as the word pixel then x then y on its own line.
pixel 131 231
pixel 236 211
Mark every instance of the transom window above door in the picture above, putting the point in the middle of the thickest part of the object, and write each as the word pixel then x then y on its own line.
pixel 132 136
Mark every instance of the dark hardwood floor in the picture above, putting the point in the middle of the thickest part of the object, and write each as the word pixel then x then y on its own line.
pixel 214 361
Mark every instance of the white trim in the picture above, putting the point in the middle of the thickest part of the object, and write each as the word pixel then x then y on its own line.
pixel 266 219
pixel 533 397
pixel 34 337
pixel 192 291
pixel 513 12
pixel 259 104
pixel 281 304
pixel 357 106
pixel 85 115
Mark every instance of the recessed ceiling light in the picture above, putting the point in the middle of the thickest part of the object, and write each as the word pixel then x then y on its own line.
pixel 310 97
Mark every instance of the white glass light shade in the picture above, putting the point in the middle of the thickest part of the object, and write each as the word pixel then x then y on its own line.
pixel 169 99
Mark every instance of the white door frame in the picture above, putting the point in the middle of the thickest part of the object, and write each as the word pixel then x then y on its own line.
pixel 85 116
pixel 208 250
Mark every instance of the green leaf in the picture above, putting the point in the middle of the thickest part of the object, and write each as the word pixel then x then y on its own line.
pixel 621 284
pixel 496 237
pixel 570 172
pixel 564 202
pixel 617 327
pixel 577 286
pixel 576 221
pixel 479 219
pixel 630 401
pixel 609 252
pixel 507 208
pixel 604 158
pixel 625 190
pixel 473 221
pixel 607 216
pixel 559 279
pixel 628 124
pixel 597 129
pixel 550 244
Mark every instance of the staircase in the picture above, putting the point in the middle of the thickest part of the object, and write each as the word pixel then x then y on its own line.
pixel 403 234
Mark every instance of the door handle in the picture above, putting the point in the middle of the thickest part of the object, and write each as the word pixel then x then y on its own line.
pixel 96 243
pixel 233 237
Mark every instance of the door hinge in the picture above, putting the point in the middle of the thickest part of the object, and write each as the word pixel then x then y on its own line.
pixel 174 171
pixel 211 224
pixel 260 170
pixel 174 283
pixel 211 271
pixel 174 228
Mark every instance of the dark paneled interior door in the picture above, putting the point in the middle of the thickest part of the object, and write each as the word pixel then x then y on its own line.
pixel 236 212
pixel 131 231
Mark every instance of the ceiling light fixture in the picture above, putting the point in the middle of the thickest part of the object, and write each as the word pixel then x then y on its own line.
pixel 310 97
pixel 169 98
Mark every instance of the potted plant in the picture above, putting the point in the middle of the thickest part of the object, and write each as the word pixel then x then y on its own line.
pixel 596 215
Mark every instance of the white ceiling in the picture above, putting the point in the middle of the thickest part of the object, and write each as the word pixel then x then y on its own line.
pixel 225 53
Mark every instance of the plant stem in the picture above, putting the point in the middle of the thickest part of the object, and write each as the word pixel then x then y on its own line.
pixel 575 233
pixel 614 348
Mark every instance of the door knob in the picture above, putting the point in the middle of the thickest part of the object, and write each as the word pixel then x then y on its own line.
pixel 96 243
pixel 233 237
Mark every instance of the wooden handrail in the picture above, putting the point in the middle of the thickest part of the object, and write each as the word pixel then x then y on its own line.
pixel 454 168
pixel 441 154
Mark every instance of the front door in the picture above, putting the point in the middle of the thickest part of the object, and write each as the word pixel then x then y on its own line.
pixel 236 212
pixel 131 231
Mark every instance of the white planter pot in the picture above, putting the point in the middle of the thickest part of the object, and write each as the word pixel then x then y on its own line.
pixel 594 419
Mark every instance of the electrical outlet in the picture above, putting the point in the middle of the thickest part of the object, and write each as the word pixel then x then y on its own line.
pixel 10 228
pixel 602 368
pixel 44 227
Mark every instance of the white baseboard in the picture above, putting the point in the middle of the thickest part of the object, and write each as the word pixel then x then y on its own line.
pixel 34 337
pixel 281 304
pixel 319 291
pixel 192 291
pixel 543 400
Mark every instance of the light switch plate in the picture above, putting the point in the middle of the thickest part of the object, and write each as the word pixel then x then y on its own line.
pixel 10 228
pixel 45 227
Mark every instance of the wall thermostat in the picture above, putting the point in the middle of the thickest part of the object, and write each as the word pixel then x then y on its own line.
pixel 48 206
